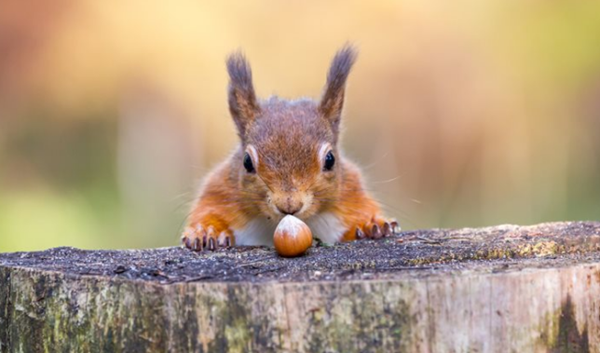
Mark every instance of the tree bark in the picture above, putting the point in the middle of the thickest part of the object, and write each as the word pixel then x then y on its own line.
pixel 496 289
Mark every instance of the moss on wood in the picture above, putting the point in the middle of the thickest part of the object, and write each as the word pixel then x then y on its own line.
pixel 503 288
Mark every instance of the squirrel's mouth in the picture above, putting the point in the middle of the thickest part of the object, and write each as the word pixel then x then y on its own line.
pixel 298 205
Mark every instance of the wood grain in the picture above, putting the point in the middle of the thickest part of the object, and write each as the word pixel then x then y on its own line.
pixel 496 289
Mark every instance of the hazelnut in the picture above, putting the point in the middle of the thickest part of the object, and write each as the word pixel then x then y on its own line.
pixel 292 237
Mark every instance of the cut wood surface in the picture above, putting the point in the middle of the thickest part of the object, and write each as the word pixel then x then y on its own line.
pixel 497 289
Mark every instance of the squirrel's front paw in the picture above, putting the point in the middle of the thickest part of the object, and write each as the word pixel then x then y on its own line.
pixel 198 238
pixel 376 228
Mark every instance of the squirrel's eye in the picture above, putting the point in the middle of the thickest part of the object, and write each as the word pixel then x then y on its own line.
pixel 329 161
pixel 248 163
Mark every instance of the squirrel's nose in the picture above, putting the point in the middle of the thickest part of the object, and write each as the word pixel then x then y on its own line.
pixel 290 207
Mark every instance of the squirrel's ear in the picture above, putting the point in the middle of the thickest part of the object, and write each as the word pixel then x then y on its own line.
pixel 242 99
pixel 332 101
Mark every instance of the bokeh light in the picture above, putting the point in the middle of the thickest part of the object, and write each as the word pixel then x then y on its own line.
pixel 461 114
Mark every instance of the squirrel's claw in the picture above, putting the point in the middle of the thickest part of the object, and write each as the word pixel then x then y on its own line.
pixel 376 232
pixel 387 229
pixel 225 240
pixel 209 239
pixel 211 244
pixel 199 238
pixel 197 245
pixel 395 227
pixel 376 228
pixel 359 233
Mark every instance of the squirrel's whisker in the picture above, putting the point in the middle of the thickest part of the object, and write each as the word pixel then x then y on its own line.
pixel 288 150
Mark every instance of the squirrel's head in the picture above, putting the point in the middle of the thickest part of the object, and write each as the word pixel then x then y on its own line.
pixel 289 160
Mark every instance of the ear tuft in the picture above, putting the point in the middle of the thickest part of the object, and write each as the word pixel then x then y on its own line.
pixel 332 101
pixel 242 99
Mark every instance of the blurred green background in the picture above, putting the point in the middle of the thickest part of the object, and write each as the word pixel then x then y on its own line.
pixel 464 113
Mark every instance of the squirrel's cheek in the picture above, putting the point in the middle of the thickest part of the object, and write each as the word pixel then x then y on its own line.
pixel 329 176
pixel 308 200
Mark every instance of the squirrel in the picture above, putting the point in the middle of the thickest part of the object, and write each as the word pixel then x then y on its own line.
pixel 288 162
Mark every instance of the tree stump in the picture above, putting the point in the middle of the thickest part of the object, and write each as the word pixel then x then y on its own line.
pixel 496 289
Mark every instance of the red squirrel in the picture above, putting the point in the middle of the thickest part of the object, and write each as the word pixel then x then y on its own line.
pixel 288 162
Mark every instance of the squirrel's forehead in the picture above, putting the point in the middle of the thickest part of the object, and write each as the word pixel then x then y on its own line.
pixel 276 113
pixel 285 127
pixel 290 130
pixel 287 151
pixel 296 140
pixel 282 147
pixel 288 158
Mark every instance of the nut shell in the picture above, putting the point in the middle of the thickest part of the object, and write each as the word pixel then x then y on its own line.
pixel 292 237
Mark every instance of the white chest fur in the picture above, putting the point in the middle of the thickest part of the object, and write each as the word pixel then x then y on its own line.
pixel 325 226
pixel 258 231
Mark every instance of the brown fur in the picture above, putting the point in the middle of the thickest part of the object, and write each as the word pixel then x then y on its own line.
pixel 290 177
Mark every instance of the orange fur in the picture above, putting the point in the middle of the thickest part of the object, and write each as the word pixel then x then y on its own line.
pixel 280 166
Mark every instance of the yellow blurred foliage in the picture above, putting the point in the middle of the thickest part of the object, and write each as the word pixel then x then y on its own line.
pixel 461 113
